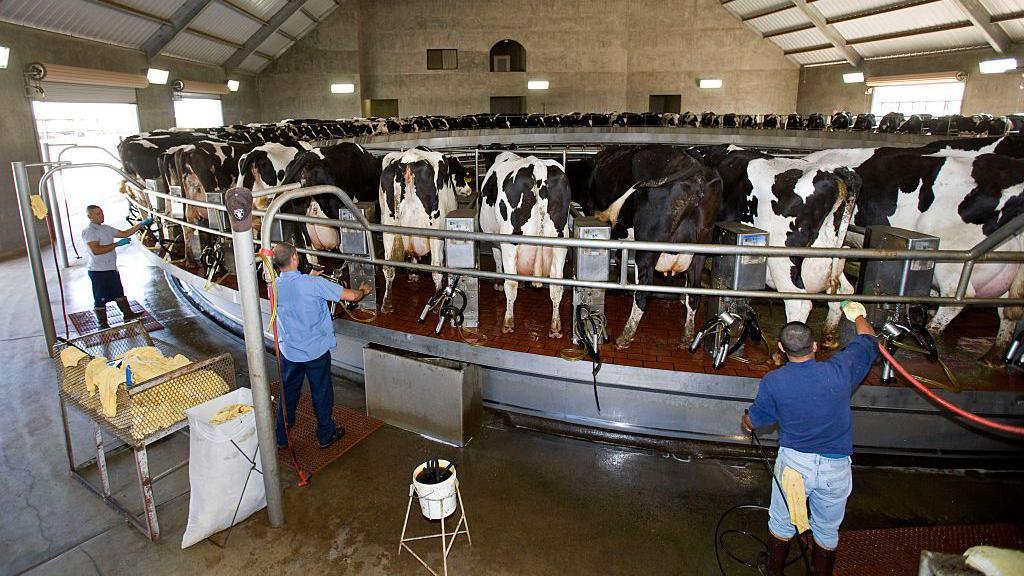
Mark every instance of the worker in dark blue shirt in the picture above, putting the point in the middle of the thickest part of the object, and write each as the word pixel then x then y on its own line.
pixel 810 402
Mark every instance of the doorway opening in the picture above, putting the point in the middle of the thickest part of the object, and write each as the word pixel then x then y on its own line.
pixel 665 103
pixel 508 105
pixel 380 108
pixel 60 125
pixel 197 111
pixel 508 56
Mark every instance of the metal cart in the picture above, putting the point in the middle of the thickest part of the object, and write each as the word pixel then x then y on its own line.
pixel 146 412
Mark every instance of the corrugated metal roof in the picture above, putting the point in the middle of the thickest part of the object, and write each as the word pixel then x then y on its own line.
pixel 221 21
pixel 80 19
pixel 873 28
pixel 297 24
pixel 217 33
pixel 192 47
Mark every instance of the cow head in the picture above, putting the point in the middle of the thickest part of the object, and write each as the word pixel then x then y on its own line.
pixel 463 178
pixel 256 171
pixel 308 169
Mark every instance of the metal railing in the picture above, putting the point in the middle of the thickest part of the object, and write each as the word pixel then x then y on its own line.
pixel 983 252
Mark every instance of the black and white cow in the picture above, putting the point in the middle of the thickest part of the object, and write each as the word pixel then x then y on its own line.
pixel 959 198
pixel 529 197
pixel 349 167
pixel 799 203
pixel 657 193
pixel 418 188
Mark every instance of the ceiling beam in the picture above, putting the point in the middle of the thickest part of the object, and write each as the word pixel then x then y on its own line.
pixel 849 17
pixel 180 20
pixel 129 10
pixel 982 20
pixel 830 33
pixel 766 12
pixel 889 36
pixel 1019 15
pixel 262 34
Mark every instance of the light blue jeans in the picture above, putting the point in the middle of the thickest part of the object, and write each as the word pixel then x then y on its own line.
pixel 828 483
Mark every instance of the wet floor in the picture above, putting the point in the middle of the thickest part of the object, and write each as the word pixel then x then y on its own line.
pixel 536 503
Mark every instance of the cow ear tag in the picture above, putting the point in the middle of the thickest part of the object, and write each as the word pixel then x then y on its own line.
pixel 238 202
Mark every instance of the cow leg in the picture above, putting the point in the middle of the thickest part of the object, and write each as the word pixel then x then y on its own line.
pixel 436 259
pixel 691 301
pixel 508 259
pixel 994 357
pixel 943 316
pixel 830 334
pixel 391 244
pixel 645 275
pixel 556 291
pixel 496 253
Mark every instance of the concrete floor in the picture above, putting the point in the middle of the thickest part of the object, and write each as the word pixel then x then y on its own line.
pixel 537 504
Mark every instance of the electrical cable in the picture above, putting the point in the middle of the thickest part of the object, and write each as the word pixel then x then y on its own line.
pixel 974 418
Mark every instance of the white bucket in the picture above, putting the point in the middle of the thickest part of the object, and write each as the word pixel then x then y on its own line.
pixel 436 500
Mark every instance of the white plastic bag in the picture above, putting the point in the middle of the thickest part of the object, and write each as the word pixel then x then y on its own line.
pixel 217 470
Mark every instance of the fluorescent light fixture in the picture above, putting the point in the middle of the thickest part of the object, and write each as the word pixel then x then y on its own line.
pixel 233 85
pixel 5 55
pixel 710 83
pixel 157 76
pixel 537 84
pixel 343 88
pixel 997 66
pixel 853 77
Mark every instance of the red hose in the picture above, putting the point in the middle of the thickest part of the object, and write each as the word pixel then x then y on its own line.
pixel 981 421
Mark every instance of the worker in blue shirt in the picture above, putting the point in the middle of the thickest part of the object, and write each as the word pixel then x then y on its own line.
pixel 306 336
pixel 810 402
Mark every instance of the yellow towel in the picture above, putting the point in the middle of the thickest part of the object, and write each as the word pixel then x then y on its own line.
pixel 229 413
pixel 147 362
pixel 71 356
pixel 796 497
pixel 39 209
pixel 993 561
pixel 106 379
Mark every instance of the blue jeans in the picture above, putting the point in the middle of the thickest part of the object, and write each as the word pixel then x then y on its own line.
pixel 321 391
pixel 828 483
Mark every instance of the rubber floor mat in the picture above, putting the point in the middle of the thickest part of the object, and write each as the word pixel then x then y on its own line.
pixel 85 321
pixel 897 551
pixel 311 457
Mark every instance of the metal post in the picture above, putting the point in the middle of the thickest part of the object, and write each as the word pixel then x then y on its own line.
pixel 58 225
pixel 476 167
pixel 252 320
pixel 35 258
pixel 965 279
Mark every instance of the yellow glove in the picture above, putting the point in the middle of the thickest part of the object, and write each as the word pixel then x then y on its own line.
pixel 853 309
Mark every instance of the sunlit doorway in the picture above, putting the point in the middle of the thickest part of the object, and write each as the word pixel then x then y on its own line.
pixel 61 125
pixel 191 111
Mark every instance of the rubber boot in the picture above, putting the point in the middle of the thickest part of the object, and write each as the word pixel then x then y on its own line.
pixel 126 310
pixel 101 316
pixel 773 563
pixel 824 561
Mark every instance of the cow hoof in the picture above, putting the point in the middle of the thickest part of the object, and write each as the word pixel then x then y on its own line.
pixel 778 359
pixel 622 344
pixel 555 334
pixel 830 342
pixel 508 327
pixel 414 277
pixel 387 308
pixel 537 284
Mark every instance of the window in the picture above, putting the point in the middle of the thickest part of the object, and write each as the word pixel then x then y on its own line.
pixel 192 111
pixel 936 99
pixel 508 56
pixel 662 103
pixel 507 105
pixel 443 59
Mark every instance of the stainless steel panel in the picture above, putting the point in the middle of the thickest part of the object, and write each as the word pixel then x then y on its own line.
pixel 460 253
pixel 355 241
pixel 218 219
pixel 438 398
pixel 589 264
pixel 177 208
pixel 895 277
pixel 739 272
pixel 360 273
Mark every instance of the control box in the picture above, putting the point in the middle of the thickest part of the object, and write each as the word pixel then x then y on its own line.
pixel 217 218
pixel 591 264
pixel 462 254
pixel 357 242
pixel 735 271
pixel 895 277
pixel 177 208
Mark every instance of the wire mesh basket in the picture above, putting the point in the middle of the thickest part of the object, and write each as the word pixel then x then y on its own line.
pixel 149 409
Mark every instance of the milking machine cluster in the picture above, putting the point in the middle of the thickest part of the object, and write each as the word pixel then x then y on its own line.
pixel 897 278
pixel 458 299
pixel 355 242
pixel 731 321
pixel 1015 352
pixel 589 325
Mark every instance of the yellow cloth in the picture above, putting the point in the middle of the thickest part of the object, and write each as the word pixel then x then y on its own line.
pixel 39 209
pixel 147 362
pixel 796 498
pixel 71 356
pixel 106 379
pixel 229 413
pixel 993 561
pixel 853 309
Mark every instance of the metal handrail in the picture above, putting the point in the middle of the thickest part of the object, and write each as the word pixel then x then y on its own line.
pixel 982 252
pixel 60 154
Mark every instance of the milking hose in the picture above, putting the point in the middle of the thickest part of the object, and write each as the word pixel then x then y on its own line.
pixel 974 418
